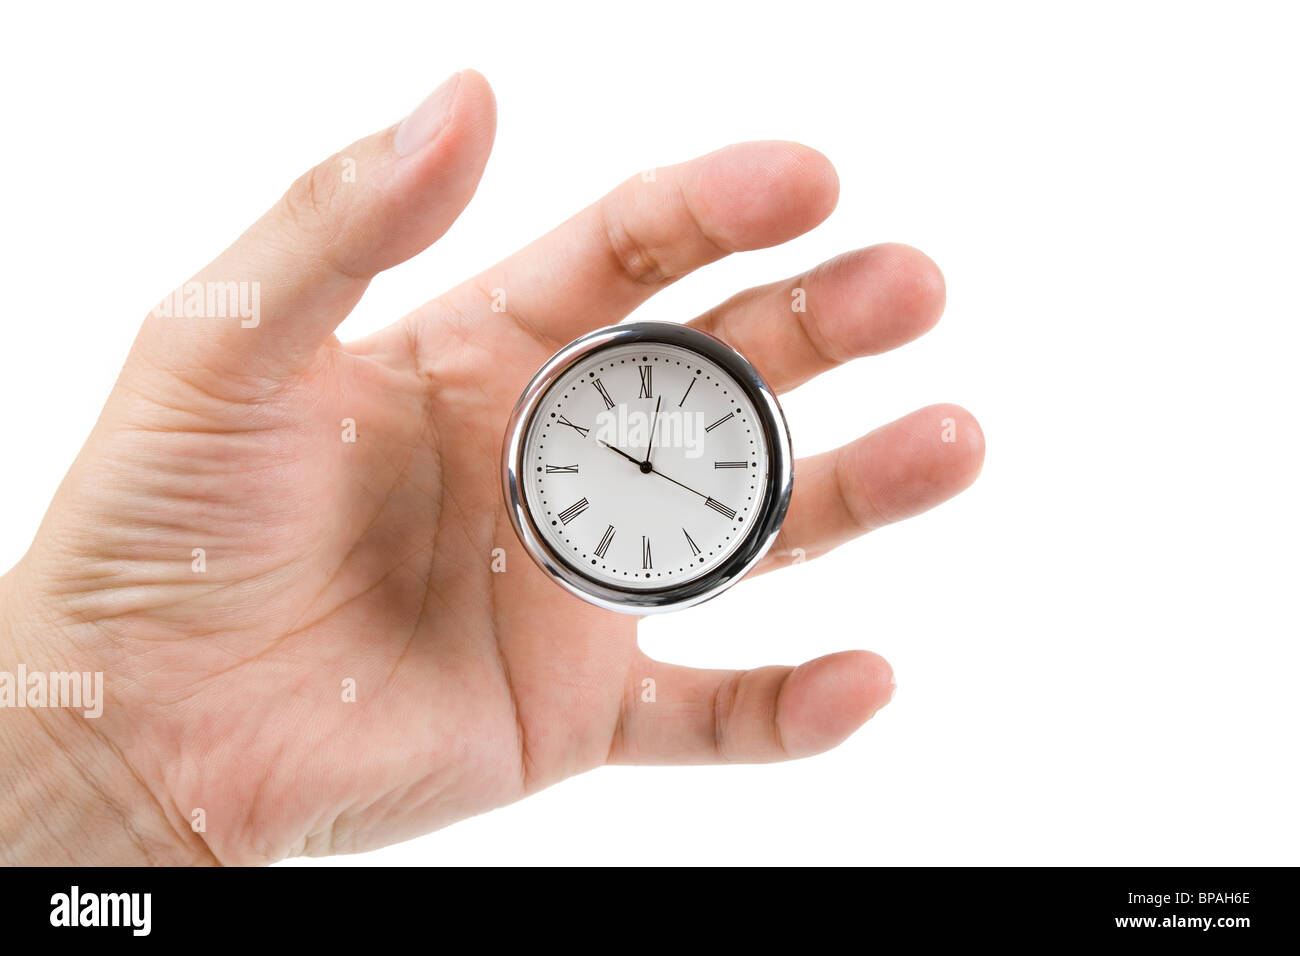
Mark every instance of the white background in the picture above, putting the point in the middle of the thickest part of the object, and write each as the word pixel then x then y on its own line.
pixel 1095 646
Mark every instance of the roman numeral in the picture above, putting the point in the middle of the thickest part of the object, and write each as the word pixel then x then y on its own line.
pixel 609 402
pixel 561 469
pixel 646 374
pixel 731 464
pixel 605 542
pixel 720 508
pixel 688 391
pixel 695 548
pixel 719 422
pixel 575 509
pixel 646 563
pixel 577 428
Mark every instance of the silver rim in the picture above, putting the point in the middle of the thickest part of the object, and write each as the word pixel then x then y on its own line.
pixel 763 530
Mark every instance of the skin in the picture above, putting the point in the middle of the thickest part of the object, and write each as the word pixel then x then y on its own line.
pixel 328 560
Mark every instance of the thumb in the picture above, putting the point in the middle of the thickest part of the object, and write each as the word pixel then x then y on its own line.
pixel 266 304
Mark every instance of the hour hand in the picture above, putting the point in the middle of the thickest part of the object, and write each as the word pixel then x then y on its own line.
pixel 619 451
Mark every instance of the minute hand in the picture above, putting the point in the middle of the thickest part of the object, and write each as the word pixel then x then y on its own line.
pixel 641 465
pixel 680 485
pixel 650 445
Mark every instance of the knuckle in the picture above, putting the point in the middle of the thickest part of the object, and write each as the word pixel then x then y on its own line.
pixel 634 258
pixel 862 513
pixel 310 202
pixel 725 698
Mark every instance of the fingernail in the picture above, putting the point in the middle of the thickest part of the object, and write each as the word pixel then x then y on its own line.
pixel 429 118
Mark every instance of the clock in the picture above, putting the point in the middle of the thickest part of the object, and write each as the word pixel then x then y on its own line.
pixel 647 467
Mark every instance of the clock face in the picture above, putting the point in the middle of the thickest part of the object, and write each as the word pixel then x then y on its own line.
pixel 644 466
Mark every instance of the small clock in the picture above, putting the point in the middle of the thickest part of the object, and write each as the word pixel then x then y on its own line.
pixel 647 467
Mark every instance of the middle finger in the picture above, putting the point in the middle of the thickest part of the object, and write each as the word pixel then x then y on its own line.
pixel 861 303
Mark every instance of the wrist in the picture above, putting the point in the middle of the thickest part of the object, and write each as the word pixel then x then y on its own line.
pixel 67 793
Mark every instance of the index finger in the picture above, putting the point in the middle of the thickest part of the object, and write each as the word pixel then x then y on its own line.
pixel 653 229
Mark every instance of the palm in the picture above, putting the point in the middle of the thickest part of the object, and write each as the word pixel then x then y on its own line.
pixel 450 654
pixel 371 562
pixel 344 666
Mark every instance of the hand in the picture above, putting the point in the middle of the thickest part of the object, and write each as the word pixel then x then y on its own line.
pixel 326 562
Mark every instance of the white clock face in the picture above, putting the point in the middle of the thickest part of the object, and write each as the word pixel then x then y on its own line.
pixel 644 466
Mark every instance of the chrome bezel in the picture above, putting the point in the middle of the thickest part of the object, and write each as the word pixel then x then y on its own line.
pixel 762 531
